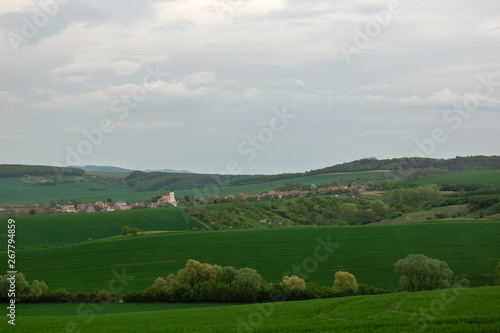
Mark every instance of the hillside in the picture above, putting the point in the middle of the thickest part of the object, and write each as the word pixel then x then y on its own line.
pixel 17 170
pixel 149 181
pixel 457 164
pixel 487 177
pixel 71 183
pixel 16 190
pixel 107 169
pixel 369 252
pixel 461 310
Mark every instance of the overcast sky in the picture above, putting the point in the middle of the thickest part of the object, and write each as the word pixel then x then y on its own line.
pixel 247 86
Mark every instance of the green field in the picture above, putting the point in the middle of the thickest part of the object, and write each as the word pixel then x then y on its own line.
pixel 369 252
pixel 15 191
pixel 270 186
pixel 71 309
pixel 79 227
pixel 488 177
pixel 458 310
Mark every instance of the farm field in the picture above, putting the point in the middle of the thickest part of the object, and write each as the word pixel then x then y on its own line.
pixel 369 252
pixel 79 227
pixel 15 191
pixel 487 177
pixel 458 310
pixel 72 309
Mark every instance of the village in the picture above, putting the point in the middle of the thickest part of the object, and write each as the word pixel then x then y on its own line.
pixel 169 200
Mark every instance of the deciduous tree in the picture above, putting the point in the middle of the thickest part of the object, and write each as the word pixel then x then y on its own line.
pixel 294 282
pixel 419 272
pixel 344 280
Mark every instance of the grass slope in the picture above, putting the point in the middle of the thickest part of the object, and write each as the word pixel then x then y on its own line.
pixel 460 310
pixel 79 227
pixel 369 252
pixel 15 191
pixel 488 177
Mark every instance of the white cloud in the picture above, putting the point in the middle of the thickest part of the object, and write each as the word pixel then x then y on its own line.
pixel 8 98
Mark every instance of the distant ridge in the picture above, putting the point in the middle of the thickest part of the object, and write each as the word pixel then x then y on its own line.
pixel 169 170
pixel 114 169
pixel 97 168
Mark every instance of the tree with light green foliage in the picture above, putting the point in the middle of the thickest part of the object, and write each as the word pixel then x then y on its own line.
pixel 248 283
pixel 293 282
pixel 419 272
pixel 196 272
pixel 23 289
pixel 344 280
pixel 379 207
pixel 348 209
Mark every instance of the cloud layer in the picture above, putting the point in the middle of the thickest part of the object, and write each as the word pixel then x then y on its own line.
pixel 183 84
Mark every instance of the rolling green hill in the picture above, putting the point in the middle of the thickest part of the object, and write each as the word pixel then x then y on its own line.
pixel 15 191
pixel 487 177
pixel 460 310
pixel 369 252
pixel 79 227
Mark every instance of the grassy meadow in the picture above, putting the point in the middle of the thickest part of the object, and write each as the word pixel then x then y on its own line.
pixel 487 177
pixel 16 191
pixel 369 252
pixel 79 227
pixel 458 310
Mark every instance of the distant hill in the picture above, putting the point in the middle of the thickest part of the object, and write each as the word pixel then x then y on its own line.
pixel 434 165
pixel 169 171
pixel 97 168
pixel 114 169
pixel 398 168
pixel 18 170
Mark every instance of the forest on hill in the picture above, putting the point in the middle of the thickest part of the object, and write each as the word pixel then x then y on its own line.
pixel 457 164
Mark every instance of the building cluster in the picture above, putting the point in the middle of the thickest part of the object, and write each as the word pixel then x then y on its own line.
pixel 170 199
pixel 118 205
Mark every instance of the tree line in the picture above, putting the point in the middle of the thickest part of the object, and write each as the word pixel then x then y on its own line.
pixel 203 282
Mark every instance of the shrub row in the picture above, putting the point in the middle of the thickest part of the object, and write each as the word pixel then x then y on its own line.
pixel 220 292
